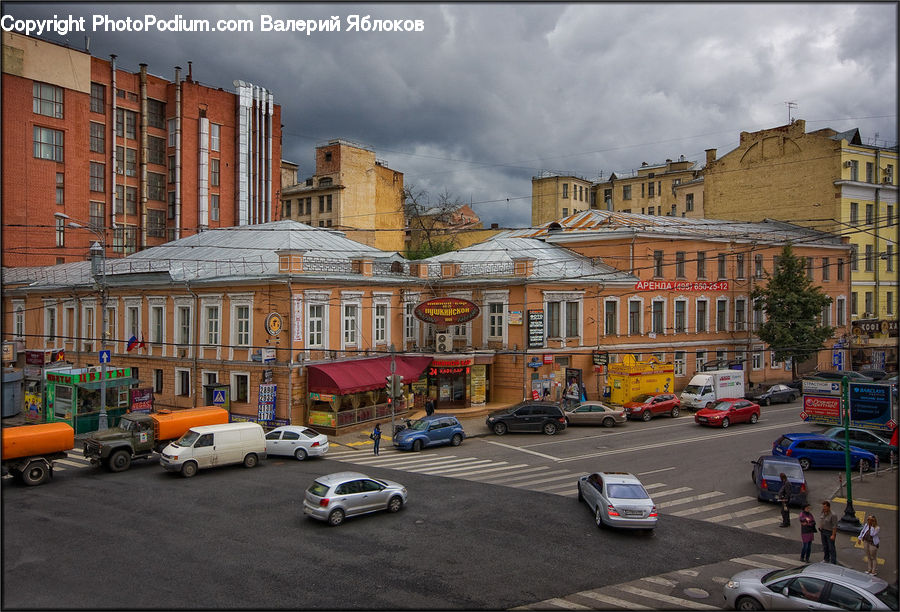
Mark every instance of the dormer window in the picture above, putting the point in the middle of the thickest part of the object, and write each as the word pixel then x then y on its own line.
pixel 326 182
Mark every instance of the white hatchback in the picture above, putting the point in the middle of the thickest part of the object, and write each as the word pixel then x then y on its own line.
pixel 296 440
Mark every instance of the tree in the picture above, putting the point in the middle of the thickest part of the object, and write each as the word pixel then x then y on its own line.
pixel 793 307
pixel 428 222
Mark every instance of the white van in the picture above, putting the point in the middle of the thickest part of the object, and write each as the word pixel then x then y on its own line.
pixel 213 445
pixel 707 388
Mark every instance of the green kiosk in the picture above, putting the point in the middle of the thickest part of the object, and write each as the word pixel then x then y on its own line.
pixel 73 396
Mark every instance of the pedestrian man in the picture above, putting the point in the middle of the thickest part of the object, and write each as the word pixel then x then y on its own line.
pixel 376 436
pixel 429 406
pixel 784 496
pixel 868 537
pixel 828 530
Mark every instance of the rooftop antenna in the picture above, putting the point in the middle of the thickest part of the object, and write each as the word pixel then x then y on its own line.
pixel 790 105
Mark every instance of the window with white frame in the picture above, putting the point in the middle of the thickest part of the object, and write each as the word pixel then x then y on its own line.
pixel 722 315
pixel 702 321
pixel 740 356
pixel 50 313
pixel 183 321
pixel 409 322
pixel 211 314
pixel 214 136
pixel 315 318
pixel 740 314
pixel 182 382
pixel 757 359
pixel 680 361
pixel 611 317
pixel 700 360
pixel 241 307
pixel 721 358
pixel 826 316
pixel 495 320
pixel 380 323
pixel 112 323
pixel 759 270
pixel 658 317
pixel 840 305
pixel 171 129
pixel 47 100
pixel 132 319
pixel 635 317
pixel 573 320
pixel 157 324
pixel 758 314
pixel 774 361
pixel 88 329
pixel 19 320
pixel 240 387
pixel 680 316
pixel 553 325
pixel 350 324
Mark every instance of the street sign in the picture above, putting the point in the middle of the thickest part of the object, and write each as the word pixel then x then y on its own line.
pixel 837 359
pixel 822 387
pixel 804 415
pixel 218 397
pixel 104 356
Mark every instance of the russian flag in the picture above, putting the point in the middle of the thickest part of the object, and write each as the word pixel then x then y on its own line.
pixel 132 342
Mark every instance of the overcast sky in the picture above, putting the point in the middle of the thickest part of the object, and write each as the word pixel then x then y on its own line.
pixel 490 95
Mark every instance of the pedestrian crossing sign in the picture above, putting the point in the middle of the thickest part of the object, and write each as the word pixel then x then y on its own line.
pixel 219 397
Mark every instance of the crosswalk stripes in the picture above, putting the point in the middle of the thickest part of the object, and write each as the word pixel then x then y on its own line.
pixel 663 591
pixel 682 501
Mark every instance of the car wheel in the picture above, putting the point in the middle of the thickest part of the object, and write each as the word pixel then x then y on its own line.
pixel 646 415
pixel 456 440
pixel 725 422
pixel 754 418
pixel 675 412
pixel 747 603
pixel 500 428
pixel 792 398
pixel 35 473
pixel 598 517
pixel 580 496
pixel 608 422
pixel 805 463
pixel 189 469
pixel 767 402
pixel 864 465
pixel 549 428
pixel 336 517
pixel 395 504
pixel 251 460
pixel 300 454
pixel 119 461
pixel 417 446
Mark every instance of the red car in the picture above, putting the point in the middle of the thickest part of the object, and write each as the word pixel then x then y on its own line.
pixel 650 405
pixel 728 411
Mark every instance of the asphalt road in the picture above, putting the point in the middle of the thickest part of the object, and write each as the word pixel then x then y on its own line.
pixel 236 538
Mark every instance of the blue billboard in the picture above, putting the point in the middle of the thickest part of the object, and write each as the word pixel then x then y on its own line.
pixel 871 406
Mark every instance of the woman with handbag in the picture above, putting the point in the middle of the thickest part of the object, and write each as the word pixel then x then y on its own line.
pixel 807 532
pixel 868 536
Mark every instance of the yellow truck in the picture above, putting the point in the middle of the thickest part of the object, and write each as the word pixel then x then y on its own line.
pixel 632 378
pixel 30 450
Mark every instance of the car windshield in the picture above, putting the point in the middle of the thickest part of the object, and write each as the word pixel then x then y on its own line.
pixel 774 469
pixel 723 406
pixel 695 389
pixel 419 425
pixel 779 574
pixel 318 489
pixel 310 433
pixel 888 596
pixel 187 439
pixel 626 491
pixel 127 425
pixel 643 398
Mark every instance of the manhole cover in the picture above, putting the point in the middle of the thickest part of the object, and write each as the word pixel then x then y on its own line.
pixel 696 593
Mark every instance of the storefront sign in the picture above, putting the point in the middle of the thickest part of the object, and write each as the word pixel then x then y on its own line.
pixel 141 400
pixel 450 363
pixel 446 311
pixel 33 407
pixel 600 359
pixel 323 419
pixel 888 327
pixel 515 317
pixel 824 410
pixel 456 370
pixel 240 418
pixel 268 355
pixel 535 362
pixel 298 318
pixel 822 387
pixel 548 359
pixel 266 407
pixel 86 377
pixel 479 384
pixel 535 328
pixel 681 286
pixel 44 357
pixel 321 397
pixel 9 352
pixel 274 324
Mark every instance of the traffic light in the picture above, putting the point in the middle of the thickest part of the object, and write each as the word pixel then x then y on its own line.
pixel 393 385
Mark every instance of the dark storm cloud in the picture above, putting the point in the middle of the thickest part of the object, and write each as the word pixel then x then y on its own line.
pixel 490 95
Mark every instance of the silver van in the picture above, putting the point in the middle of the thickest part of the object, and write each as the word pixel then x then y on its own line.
pixel 213 445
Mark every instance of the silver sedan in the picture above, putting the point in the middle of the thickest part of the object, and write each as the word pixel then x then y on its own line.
pixel 595 413
pixel 818 586
pixel 336 496
pixel 299 442
pixel 618 499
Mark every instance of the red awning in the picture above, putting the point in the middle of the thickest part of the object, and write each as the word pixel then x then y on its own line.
pixel 355 375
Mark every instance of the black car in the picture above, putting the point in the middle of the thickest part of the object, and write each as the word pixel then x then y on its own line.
pixel 874 442
pixel 528 416
pixel 839 374
pixel 775 394
pixel 873 373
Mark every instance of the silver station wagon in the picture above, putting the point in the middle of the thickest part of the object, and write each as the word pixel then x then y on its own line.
pixel 618 499
pixel 336 496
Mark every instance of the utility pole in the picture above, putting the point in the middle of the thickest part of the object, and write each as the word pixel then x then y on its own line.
pixel 790 105
pixel 848 522
pixel 98 269
pixel 391 391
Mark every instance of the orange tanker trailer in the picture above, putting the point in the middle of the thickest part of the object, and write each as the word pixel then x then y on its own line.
pixel 30 450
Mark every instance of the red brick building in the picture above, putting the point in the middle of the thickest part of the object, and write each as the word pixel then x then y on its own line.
pixel 138 158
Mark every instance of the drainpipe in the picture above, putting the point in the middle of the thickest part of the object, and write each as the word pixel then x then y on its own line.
pixel 178 151
pixel 112 149
pixel 631 251
pixel 195 346
pixel 142 213
pixel 269 169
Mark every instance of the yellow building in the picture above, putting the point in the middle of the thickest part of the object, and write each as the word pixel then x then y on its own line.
pixel 830 181
pixel 554 196
pixel 651 189
pixel 352 191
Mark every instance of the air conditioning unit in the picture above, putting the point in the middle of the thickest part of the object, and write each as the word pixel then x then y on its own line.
pixel 443 343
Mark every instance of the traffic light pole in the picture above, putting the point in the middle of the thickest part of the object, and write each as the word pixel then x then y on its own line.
pixel 848 522
pixel 391 391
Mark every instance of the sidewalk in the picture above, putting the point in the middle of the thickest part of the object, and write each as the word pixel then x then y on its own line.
pixel 872 494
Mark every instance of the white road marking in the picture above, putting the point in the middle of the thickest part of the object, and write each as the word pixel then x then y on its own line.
pixel 524 450
pixel 678 601
pixel 655 485
pixel 738 514
pixel 685 500
pixel 660 580
pixel 552 478
pixel 515 469
pixel 614 601
pixel 736 500
pixel 656 471
pixel 515 478
pixel 766 521
pixel 562 603
pixel 671 492
pixel 441 469
pixel 752 563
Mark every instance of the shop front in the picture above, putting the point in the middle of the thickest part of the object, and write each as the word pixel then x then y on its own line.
pixel 873 344
pixel 37 364
pixel 73 396
pixel 343 394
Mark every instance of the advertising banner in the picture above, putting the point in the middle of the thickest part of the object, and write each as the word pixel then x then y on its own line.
pixel 821 409
pixel 267 394
pixel 870 406
pixel 535 328
pixel 141 400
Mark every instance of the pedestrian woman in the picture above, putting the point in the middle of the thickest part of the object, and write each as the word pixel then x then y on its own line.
pixel 868 536
pixel 807 532
pixel 376 436
pixel 784 496
pixel 828 530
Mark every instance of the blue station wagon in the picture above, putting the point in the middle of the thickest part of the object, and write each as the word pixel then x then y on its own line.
pixel 816 450
pixel 432 430
pixel 766 475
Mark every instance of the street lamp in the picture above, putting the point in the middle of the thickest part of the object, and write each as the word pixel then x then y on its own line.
pixel 98 271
